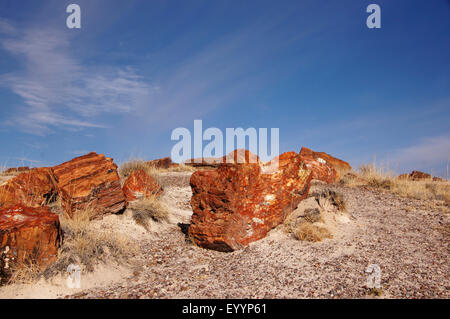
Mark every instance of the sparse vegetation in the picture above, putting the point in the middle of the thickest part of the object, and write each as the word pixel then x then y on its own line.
pixel 23 273
pixel 379 178
pixel 128 167
pixel 377 292
pixel 330 199
pixel 149 209
pixel 132 165
pixel 311 224
pixel 85 246
pixel 310 232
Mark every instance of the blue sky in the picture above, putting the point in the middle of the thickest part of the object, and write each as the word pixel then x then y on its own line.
pixel 136 70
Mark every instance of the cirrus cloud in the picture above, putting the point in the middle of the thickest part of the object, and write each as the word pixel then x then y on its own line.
pixel 58 90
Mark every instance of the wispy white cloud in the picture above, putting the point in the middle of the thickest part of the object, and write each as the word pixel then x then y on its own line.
pixel 427 153
pixel 6 27
pixel 79 152
pixel 26 160
pixel 58 91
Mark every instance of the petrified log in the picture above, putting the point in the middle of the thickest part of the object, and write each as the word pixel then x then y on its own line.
pixel 90 182
pixel 34 188
pixel 30 236
pixel 239 203
pixel 340 166
pixel 321 170
pixel 140 185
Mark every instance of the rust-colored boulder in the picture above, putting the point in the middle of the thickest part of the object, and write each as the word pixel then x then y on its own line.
pixel 239 203
pixel 139 185
pixel 90 182
pixel 28 236
pixel 34 188
pixel 164 163
pixel 340 166
pixel 321 170
pixel 418 176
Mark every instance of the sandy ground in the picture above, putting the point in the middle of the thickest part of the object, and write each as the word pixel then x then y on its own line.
pixel 408 239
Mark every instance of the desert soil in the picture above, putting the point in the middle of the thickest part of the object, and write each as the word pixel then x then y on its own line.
pixel 408 239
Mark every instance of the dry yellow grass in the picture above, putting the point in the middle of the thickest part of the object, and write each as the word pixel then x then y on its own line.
pixel 24 273
pixel 379 178
pixel 329 199
pixel 85 246
pixel 309 232
pixel 126 168
pixel 180 168
pixel 131 165
pixel 149 209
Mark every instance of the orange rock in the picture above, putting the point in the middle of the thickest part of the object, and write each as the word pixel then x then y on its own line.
pixel 28 236
pixel 139 184
pixel 321 170
pixel 419 176
pixel 238 203
pixel 340 166
pixel 90 182
pixel 34 188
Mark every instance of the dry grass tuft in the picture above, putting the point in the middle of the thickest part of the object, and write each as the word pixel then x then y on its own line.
pixel 149 209
pixel 132 165
pixel 85 246
pixel 309 232
pixel 330 199
pixel 24 273
pixel 377 292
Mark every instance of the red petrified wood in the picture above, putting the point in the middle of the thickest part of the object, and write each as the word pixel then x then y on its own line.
pixel 239 203
pixel 321 170
pixel 29 236
pixel 340 166
pixel 34 188
pixel 90 182
pixel 139 184
pixel 420 176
